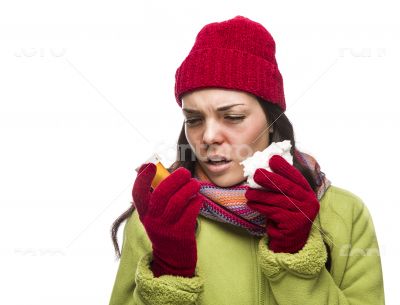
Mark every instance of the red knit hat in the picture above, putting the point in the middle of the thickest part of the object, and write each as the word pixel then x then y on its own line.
pixel 233 54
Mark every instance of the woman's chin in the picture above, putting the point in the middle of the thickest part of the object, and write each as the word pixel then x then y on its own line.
pixel 227 181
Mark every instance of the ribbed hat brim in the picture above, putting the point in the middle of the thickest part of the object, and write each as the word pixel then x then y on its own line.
pixel 230 69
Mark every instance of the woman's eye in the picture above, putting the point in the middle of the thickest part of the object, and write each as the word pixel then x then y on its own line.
pixel 191 121
pixel 235 118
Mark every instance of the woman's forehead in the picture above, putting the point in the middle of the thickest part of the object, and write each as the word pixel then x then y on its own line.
pixel 216 97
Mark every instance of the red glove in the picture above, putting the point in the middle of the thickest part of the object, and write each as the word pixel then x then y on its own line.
pixel 288 203
pixel 169 216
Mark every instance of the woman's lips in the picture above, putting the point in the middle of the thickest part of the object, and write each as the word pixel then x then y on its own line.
pixel 217 168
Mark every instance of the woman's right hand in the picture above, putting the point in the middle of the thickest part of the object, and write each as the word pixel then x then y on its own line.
pixel 169 215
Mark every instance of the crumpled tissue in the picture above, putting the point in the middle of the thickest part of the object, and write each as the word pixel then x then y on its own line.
pixel 260 159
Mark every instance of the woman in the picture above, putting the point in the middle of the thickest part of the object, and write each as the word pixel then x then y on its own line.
pixel 203 236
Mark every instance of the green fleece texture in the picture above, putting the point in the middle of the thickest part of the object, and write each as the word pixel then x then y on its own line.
pixel 166 289
pixel 237 268
pixel 308 262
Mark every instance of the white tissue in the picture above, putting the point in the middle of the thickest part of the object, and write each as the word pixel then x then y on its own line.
pixel 260 159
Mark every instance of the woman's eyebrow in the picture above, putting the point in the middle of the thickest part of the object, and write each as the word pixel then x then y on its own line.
pixel 223 108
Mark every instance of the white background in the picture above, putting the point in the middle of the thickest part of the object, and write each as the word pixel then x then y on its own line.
pixel 86 94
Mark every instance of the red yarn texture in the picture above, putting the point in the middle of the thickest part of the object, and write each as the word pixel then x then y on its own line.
pixel 288 202
pixel 169 216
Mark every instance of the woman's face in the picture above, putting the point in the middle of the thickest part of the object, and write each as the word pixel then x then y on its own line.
pixel 224 123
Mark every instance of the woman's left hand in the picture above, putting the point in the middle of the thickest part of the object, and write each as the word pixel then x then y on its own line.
pixel 288 203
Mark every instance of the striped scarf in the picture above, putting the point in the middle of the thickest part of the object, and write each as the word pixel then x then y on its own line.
pixel 228 204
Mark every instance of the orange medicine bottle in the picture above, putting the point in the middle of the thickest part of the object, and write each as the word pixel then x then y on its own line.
pixel 161 171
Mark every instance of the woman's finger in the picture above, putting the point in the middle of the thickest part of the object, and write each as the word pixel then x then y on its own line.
pixel 272 214
pixel 281 167
pixel 277 183
pixel 141 190
pixel 167 188
pixel 270 199
pixel 178 203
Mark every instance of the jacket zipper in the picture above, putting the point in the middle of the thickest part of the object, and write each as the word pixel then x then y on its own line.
pixel 261 279
pixel 263 288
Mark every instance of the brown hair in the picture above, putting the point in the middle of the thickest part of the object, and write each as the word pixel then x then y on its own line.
pixel 282 130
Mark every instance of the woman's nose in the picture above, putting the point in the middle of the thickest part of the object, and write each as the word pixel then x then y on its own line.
pixel 213 133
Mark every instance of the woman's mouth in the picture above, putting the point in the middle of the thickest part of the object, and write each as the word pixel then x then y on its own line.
pixel 218 165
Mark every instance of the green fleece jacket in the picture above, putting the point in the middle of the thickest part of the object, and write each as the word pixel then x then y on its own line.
pixel 236 268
